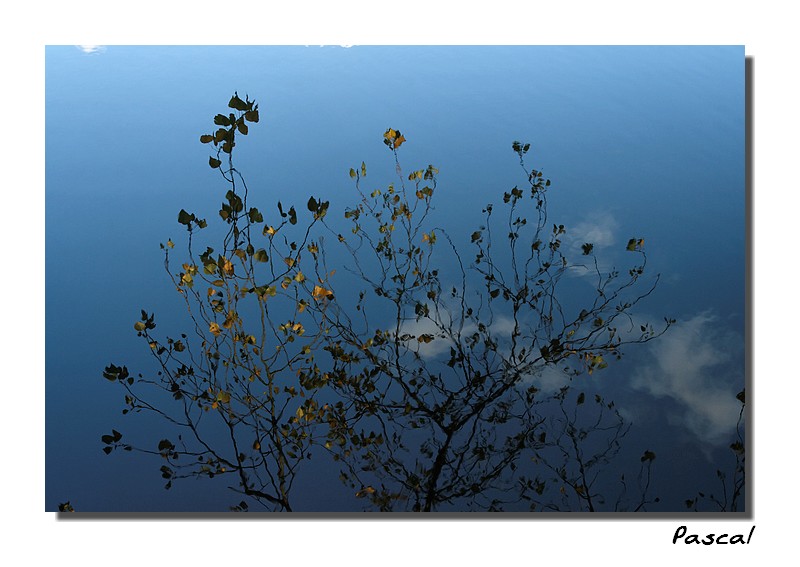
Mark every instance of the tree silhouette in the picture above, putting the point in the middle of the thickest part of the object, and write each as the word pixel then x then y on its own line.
pixel 382 348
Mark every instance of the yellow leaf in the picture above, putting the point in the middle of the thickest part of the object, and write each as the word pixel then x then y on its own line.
pixel 229 320
pixel 227 267
pixel 139 326
pixel 269 230
pixel 214 329
pixel 320 293
pixel 364 491
pixel 299 277
pixel 170 243
pixel 390 134
pixel 399 141
pixel 289 261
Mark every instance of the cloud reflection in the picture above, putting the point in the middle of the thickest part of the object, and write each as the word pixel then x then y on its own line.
pixel 699 365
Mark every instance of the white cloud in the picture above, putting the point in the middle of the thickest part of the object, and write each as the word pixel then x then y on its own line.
pixel 548 378
pixel 425 326
pixel 501 329
pixel 699 366
pixel 600 231
pixel 91 48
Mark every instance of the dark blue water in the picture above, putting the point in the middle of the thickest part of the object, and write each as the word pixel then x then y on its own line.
pixel 637 141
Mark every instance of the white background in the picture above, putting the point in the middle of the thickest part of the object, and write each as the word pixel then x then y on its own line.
pixel 32 536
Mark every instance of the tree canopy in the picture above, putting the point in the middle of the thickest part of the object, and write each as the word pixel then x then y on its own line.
pixel 405 357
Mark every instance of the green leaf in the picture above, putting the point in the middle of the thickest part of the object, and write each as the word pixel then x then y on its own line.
pixel 261 255
pixel 242 127
pixel 113 372
pixel 235 201
pixel 292 216
pixel 581 398
pixel 648 456
pixel 222 120
pixel 206 138
pixel 255 215
pixel 214 162
pixel 352 173
pixel 139 326
pixel 251 115
pixel 363 169
pixel 312 205
pixel 237 103
pixel 185 218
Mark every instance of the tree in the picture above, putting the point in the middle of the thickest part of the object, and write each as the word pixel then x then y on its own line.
pixel 420 383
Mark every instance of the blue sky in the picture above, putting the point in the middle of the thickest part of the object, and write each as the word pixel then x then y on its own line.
pixel 638 141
